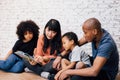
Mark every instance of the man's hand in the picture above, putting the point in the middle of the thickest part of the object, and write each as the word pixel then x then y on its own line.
pixel 63 75
pixel 58 74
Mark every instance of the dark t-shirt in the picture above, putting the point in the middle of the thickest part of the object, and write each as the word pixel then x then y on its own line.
pixel 27 47
pixel 107 49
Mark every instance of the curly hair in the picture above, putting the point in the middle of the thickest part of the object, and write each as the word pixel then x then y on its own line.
pixel 28 25
pixel 56 42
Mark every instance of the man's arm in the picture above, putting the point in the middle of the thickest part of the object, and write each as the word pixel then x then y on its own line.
pixel 91 71
pixel 82 41
pixel 69 66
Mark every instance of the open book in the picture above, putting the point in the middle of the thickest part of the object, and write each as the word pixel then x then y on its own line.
pixel 25 56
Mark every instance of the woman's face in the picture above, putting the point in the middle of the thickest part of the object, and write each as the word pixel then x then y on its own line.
pixel 49 33
pixel 28 36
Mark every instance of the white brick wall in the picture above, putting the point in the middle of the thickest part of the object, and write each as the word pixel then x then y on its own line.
pixel 70 13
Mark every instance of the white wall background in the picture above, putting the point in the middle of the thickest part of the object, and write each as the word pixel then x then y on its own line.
pixel 70 13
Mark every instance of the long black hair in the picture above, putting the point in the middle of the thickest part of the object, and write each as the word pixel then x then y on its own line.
pixel 55 43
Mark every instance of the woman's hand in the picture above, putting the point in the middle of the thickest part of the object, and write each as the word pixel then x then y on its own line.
pixel 37 59
pixel 56 63
pixel 32 62
pixel 42 60
pixel 46 59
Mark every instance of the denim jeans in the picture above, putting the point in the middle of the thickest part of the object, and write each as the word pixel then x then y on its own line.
pixel 12 64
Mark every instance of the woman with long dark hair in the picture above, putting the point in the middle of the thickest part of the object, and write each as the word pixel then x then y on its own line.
pixel 49 45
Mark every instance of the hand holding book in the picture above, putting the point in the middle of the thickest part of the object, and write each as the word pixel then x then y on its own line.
pixel 33 60
pixel 25 56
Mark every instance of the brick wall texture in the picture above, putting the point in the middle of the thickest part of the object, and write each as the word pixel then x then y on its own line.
pixel 70 13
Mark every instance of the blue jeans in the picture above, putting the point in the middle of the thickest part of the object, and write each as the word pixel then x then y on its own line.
pixel 12 64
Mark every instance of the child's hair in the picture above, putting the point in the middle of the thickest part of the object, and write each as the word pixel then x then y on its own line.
pixel 56 42
pixel 28 25
pixel 71 36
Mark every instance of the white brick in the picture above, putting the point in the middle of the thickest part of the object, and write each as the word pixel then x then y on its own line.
pixel 70 13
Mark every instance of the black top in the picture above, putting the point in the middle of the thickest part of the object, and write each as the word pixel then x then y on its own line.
pixel 27 47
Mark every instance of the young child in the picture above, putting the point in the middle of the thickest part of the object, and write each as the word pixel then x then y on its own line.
pixel 76 56
pixel 27 32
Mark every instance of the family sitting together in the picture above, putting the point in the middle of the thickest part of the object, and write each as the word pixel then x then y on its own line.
pixel 60 57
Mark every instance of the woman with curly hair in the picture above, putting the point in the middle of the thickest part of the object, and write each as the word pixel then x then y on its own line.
pixel 27 32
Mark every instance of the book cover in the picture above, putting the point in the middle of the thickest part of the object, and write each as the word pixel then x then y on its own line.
pixel 25 56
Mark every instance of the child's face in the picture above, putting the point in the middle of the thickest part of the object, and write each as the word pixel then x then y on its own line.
pixel 67 44
pixel 28 36
pixel 49 33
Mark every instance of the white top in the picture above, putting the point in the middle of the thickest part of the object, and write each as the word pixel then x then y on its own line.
pixel 79 55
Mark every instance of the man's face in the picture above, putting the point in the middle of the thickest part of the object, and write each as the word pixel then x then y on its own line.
pixel 89 33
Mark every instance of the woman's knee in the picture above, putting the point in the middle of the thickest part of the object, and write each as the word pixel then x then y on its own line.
pixel 18 67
